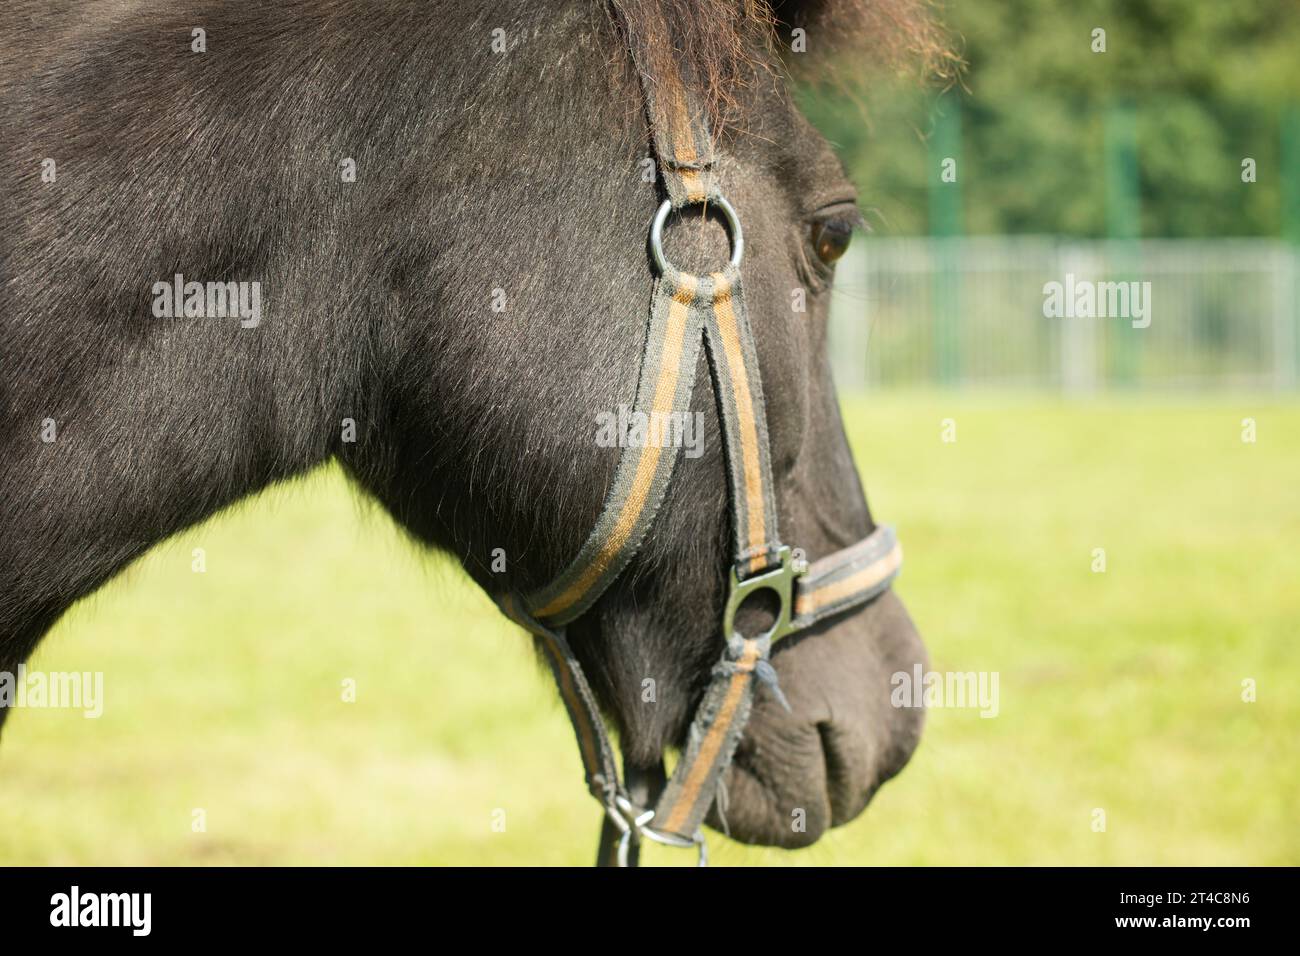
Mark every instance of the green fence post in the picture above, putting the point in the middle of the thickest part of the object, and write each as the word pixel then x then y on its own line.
pixel 945 174
pixel 1290 195
pixel 1123 228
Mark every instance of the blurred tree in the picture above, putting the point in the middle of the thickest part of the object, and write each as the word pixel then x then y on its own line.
pixel 1210 84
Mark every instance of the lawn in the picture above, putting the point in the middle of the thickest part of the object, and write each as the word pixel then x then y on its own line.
pixel 1120 691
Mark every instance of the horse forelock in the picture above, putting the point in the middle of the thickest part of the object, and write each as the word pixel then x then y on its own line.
pixel 723 44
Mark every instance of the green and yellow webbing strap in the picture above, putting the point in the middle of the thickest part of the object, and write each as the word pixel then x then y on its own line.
pixel 739 390
pixel 847 578
pixel 722 714
pixel 664 387
pixel 831 585
pixel 679 129
pixel 685 150
pixel 599 767
pixel 685 310
pixel 683 146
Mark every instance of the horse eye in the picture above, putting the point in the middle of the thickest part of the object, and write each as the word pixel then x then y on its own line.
pixel 830 239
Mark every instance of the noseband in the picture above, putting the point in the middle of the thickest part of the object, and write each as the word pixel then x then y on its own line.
pixel 685 311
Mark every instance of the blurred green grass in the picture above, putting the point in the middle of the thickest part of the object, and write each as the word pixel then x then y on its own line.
pixel 1119 691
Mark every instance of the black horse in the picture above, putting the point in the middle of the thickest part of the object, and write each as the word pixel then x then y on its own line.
pixel 442 211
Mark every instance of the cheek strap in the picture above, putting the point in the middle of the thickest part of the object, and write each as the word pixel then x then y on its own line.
pixel 686 311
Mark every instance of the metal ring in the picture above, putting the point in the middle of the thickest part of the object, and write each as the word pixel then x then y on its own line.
pixel 668 840
pixel 661 217
pixel 634 828
pixel 624 842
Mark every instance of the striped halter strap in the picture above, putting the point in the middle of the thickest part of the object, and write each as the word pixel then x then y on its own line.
pixel 685 311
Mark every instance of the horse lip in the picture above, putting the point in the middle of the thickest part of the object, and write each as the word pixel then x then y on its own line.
pixel 835 769
pixel 763 806
pixel 797 774
pixel 793 804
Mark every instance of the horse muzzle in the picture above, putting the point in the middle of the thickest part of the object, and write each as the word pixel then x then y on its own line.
pixel 798 772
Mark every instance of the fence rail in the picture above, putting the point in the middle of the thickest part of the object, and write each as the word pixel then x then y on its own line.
pixel 971 312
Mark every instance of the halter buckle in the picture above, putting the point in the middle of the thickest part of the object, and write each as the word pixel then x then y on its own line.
pixel 779 580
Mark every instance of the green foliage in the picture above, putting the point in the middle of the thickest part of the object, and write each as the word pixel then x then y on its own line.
pixel 1210 84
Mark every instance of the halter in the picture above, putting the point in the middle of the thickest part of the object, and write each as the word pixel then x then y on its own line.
pixel 685 311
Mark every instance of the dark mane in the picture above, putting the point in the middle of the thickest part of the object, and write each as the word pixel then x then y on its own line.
pixel 724 43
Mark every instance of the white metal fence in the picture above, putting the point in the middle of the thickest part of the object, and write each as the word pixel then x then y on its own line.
pixel 970 311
